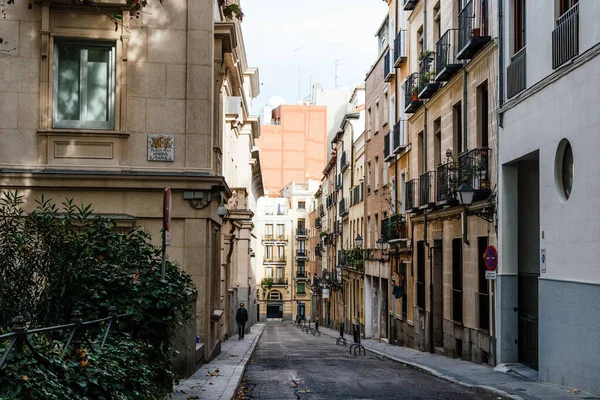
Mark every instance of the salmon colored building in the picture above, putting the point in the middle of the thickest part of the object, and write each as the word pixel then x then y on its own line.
pixel 293 147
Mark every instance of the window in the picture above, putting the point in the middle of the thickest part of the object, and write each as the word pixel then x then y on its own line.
pixel 281 252
pixel 301 205
pixel 269 230
pixel 84 85
pixel 421 274
pixel 376 227
pixel 437 27
pixel 457 131
pixel 280 231
pixel 369 177
pixel 385 109
pixel 420 154
pixel 368 232
pixel 269 273
pixel 519 25
pixel 437 142
pixel 457 295
pixel 368 122
pixel 376 117
pixel 376 173
pixel 301 288
pixel 482 292
pixel 279 276
pixel 275 295
pixel 393 111
pixel 385 173
pixel 269 252
pixel 565 5
pixel 482 115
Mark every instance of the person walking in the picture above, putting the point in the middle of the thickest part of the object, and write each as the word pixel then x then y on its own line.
pixel 241 317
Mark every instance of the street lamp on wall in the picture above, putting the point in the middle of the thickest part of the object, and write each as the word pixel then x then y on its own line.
pixel 358 241
pixel 465 199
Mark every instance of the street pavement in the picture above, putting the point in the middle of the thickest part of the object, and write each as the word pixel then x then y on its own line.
pixel 291 364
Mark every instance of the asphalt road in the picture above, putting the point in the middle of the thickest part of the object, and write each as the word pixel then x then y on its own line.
pixel 289 364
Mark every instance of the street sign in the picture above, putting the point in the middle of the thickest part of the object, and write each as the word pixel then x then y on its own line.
pixel 167 238
pixel 325 293
pixel 167 208
pixel 491 258
pixel 543 259
pixel 490 274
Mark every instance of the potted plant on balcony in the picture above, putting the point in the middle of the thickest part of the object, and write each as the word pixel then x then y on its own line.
pixel 415 93
pixel 267 282
pixel 425 54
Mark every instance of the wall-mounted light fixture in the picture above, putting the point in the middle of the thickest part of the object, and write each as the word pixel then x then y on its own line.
pixel 200 199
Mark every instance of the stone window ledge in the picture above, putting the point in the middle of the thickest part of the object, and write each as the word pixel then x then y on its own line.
pixel 83 133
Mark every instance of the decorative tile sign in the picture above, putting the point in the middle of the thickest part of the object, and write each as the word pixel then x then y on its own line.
pixel 161 147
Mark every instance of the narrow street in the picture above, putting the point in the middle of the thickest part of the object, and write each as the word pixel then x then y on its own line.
pixel 291 364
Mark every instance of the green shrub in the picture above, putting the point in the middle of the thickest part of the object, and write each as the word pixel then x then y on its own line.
pixel 54 260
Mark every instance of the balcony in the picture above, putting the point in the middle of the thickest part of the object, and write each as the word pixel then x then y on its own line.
pixel 446 62
pixel 275 259
pixel 399 136
pixel 472 30
pixel 301 276
pixel 388 68
pixel 301 233
pixel 411 94
pixel 280 282
pixel 338 182
pixel 400 48
pixel 427 190
pixel 344 162
pixel 447 183
pixel 410 5
pixel 318 223
pixel 565 38
pixel 474 169
pixel 411 195
pixel 330 201
pixel 427 84
pixel 516 73
pixel 343 206
pixel 318 251
pixel 301 253
pixel 353 259
pixel 394 227
pixel 387 144
pixel 268 237
pixel 321 211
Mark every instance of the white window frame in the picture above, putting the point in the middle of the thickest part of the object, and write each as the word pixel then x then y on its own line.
pixel 81 123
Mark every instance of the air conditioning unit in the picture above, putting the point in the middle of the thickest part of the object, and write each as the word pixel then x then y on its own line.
pixel 233 107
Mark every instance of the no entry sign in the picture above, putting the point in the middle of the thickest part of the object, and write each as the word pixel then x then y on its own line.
pixel 491 258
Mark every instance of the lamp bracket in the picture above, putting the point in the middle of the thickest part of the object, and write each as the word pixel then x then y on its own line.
pixel 200 199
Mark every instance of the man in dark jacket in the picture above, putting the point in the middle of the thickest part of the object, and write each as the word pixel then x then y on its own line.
pixel 241 317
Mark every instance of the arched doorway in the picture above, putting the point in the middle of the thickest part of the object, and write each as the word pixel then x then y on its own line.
pixel 274 306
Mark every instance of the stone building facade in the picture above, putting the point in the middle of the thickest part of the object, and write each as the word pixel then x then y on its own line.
pixel 112 113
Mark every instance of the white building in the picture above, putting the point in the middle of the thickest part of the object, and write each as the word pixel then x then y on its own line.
pixel 548 315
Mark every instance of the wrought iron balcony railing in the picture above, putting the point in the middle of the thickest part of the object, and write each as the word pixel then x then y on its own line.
pixel 400 48
pixel 318 223
pixel 427 190
pixel 565 38
pixel 516 73
pixel 301 253
pixel 448 181
pixel 411 195
pixel 446 62
pixel 301 232
pixel 474 169
pixel 339 181
pixel 301 275
pixel 321 211
pixel 473 28
pixel 427 84
pixel 394 227
pixel 388 68
pixel 411 94
pixel 399 136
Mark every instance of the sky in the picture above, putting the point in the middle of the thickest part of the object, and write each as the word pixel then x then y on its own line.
pixel 287 39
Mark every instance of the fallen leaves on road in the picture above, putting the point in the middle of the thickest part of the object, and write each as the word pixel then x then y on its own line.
pixel 575 391
pixel 305 391
pixel 214 373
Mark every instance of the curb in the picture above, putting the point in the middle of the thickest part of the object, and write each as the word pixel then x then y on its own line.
pixel 234 382
pixel 428 370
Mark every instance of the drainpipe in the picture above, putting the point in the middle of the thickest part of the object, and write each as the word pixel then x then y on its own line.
pixel 464 109
pixel 425 105
pixel 500 64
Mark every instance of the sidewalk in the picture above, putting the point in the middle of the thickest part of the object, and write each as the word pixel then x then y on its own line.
pixel 220 378
pixel 477 376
